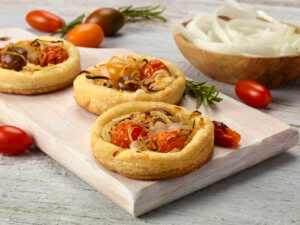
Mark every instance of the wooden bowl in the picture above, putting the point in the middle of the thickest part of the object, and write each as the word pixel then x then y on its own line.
pixel 270 71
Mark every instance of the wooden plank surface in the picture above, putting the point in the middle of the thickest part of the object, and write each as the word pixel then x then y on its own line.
pixel 62 130
pixel 34 189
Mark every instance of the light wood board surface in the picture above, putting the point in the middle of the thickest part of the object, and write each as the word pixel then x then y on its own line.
pixel 34 189
pixel 62 130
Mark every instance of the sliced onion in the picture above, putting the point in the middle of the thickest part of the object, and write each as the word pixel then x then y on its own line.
pixel 135 146
pixel 197 31
pixel 183 31
pixel 236 49
pixel 241 30
pixel 204 21
pixel 162 127
pixel 104 71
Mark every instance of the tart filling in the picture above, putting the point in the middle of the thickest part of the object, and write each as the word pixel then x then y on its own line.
pixel 30 55
pixel 131 74
pixel 38 66
pixel 153 130
pixel 152 140
pixel 126 78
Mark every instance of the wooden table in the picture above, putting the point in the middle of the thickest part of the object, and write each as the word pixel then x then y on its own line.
pixel 34 189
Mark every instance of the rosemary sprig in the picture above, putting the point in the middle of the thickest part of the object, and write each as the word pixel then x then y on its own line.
pixel 63 31
pixel 203 93
pixel 133 14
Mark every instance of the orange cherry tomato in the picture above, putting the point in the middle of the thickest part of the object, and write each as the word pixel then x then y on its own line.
pixel 44 21
pixel 120 134
pixel 86 35
pixel 224 136
pixel 167 141
pixel 151 66
pixel 13 140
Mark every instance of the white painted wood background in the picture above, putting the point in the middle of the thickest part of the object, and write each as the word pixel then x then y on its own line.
pixel 34 189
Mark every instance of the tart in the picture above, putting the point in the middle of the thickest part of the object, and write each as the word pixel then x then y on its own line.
pixel 152 140
pixel 37 66
pixel 126 78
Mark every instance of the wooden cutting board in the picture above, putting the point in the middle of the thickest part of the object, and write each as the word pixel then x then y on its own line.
pixel 62 130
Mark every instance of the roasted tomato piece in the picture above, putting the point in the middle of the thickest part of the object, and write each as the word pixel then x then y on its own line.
pixel 166 141
pixel 55 55
pixel 151 67
pixel 224 136
pixel 120 135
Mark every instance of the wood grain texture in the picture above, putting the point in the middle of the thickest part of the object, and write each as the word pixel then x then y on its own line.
pixel 35 189
pixel 270 71
pixel 62 130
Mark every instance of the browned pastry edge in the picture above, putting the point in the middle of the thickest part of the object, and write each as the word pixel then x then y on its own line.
pixel 150 165
pixel 38 90
pixel 166 175
pixel 97 99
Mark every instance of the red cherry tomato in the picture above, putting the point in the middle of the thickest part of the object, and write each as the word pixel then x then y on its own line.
pixel 55 55
pixel 253 93
pixel 151 66
pixel 224 136
pixel 86 35
pixel 120 134
pixel 167 141
pixel 44 21
pixel 13 140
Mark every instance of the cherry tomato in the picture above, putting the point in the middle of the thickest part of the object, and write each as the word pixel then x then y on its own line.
pixel 224 136
pixel 120 134
pixel 167 141
pixel 109 19
pixel 86 35
pixel 13 140
pixel 55 55
pixel 44 21
pixel 151 66
pixel 253 93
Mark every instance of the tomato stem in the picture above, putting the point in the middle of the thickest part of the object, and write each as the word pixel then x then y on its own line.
pixel 133 14
pixel 63 31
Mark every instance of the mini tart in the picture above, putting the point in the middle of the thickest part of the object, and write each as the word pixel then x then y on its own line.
pixel 35 79
pixel 99 98
pixel 148 164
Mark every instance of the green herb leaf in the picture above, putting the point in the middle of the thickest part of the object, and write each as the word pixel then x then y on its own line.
pixel 63 31
pixel 203 93
pixel 142 13
pixel 199 102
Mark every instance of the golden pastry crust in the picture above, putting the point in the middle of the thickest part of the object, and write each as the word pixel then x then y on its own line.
pixel 97 99
pixel 149 164
pixel 42 79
